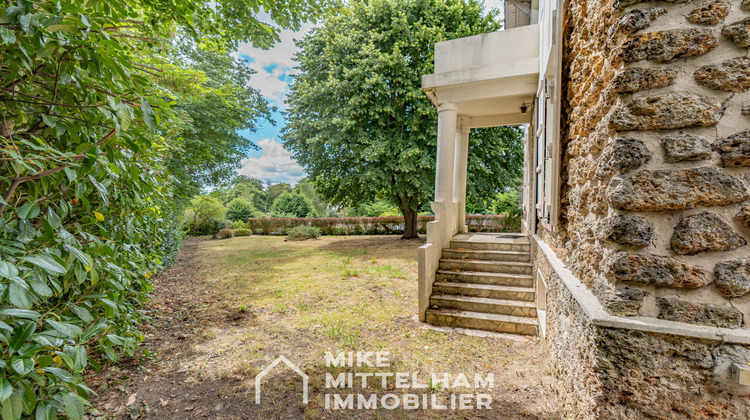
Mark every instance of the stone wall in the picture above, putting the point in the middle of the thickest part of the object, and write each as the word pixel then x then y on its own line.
pixel 656 164
pixel 616 373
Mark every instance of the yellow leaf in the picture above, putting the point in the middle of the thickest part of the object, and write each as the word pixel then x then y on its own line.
pixel 99 216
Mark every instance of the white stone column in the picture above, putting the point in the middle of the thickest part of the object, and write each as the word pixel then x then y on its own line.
pixel 460 167
pixel 446 148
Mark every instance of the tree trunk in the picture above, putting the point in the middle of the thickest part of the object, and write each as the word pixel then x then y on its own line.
pixel 410 220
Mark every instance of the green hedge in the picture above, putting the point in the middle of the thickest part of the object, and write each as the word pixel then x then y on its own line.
pixel 376 225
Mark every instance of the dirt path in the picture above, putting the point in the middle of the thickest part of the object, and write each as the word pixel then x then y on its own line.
pixel 227 309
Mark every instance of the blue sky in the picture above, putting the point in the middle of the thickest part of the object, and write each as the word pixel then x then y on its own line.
pixel 275 73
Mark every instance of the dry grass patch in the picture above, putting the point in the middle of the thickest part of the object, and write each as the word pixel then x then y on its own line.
pixel 261 297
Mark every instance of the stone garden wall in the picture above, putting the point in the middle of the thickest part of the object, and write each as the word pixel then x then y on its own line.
pixel 656 163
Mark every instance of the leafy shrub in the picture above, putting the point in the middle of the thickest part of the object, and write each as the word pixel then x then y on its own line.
pixel 239 210
pixel 291 204
pixel 207 227
pixel 204 207
pixel 508 203
pixel 242 232
pixel 225 234
pixel 377 225
pixel 300 233
pixel 238 225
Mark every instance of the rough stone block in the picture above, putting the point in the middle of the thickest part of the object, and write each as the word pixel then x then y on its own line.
pixel 730 76
pixel 733 277
pixel 710 12
pixel 745 5
pixel 638 19
pixel 669 46
pixel 738 33
pixel 734 150
pixel 627 230
pixel 637 79
pixel 744 216
pixel 621 155
pixel 746 109
pixel 660 271
pixel 625 302
pixel 710 314
pixel 619 4
pixel 682 147
pixel 668 111
pixel 664 190
pixel 704 231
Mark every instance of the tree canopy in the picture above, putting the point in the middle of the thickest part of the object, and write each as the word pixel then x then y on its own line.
pixel 357 119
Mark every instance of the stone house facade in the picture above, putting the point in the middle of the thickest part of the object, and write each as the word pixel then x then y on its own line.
pixel 636 196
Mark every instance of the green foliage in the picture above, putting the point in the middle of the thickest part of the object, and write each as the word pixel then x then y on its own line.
pixel 495 164
pixel 238 224
pixel 239 210
pixel 205 207
pixel 207 227
pixel 274 191
pixel 292 205
pixel 377 208
pixel 357 120
pixel 213 93
pixel 306 188
pixel 242 232
pixel 508 203
pixel 225 234
pixel 88 211
pixel 304 232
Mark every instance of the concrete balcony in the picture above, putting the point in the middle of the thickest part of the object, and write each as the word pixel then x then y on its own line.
pixel 488 76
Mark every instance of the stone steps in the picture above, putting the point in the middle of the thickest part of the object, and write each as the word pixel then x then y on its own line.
pixel 525 294
pixel 487 255
pixel 484 281
pixel 483 305
pixel 490 246
pixel 479 277
pixel 508 267
pixel 483 321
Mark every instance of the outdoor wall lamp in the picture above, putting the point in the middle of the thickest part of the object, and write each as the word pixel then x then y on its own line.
pixel 524 107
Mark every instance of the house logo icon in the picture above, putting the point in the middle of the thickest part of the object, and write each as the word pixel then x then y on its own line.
pixel 298 371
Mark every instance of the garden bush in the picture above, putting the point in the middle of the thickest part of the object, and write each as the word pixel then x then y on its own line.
pixel 376 225
pixel 239 210
pixel 242 232
pixel 293 204
pixel 300 233
pixel 207 227
pixel 225 234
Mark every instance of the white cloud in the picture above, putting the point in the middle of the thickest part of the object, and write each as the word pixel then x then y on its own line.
pixel 280 56
pixel 275 163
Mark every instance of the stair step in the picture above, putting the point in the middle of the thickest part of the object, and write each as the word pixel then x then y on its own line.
pixel 483 277
pixel 492 246
pixel 484 290
pixel 482 321
pixel 509 267
pixel 484 305
pixel 474 254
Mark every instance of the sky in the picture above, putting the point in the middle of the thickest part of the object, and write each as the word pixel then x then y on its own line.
pixel 275 72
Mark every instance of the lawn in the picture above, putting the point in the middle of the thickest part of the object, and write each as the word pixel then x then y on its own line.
pixel 229 308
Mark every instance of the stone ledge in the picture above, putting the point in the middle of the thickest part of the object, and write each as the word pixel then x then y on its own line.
pixel 601 318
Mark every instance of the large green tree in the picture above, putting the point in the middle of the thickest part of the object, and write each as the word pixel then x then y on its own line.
pixel 213 91
pixel 357 119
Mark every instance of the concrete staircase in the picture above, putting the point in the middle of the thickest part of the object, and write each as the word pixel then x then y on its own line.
pixel 485 282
